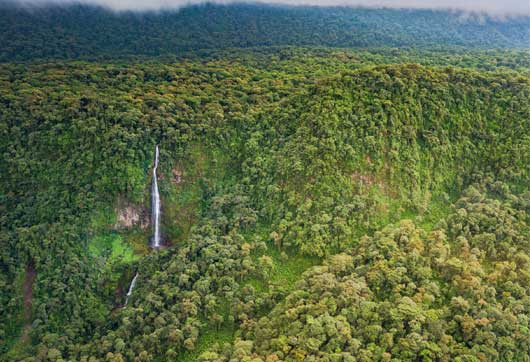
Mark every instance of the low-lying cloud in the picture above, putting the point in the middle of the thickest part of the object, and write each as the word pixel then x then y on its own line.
pixel 493 7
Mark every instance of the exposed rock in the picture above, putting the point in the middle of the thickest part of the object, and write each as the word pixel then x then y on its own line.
pixel 177 176
pixel 129 216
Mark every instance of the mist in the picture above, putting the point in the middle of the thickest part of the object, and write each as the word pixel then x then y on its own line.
pixel 491 7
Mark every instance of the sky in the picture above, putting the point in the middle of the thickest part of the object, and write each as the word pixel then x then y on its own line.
pixel 493 7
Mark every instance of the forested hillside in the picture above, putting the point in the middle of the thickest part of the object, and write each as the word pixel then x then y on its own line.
pixel 318 205
pixel 73 31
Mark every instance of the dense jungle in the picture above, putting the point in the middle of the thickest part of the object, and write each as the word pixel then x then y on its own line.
pixel 325 195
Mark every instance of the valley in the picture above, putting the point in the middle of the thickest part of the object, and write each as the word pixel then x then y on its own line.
pixel 266 203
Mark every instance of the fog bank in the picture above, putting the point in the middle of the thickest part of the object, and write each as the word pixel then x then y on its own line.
pixel 492 7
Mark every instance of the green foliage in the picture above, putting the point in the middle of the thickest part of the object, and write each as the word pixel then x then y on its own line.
pixel 207 340
pixel 272 162
pixel 402 294
pixel 111 247
pixel 405 131
pixel 60 32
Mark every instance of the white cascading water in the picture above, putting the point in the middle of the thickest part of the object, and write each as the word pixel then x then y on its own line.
pixel 131 287
pixel 155 219
pixel 155 205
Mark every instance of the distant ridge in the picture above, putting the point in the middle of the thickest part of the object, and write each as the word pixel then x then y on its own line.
pixel 83 31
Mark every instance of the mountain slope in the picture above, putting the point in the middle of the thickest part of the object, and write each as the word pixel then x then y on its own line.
pixel 410 131
pixel 83 31
pixel 264 171
pixel 458 293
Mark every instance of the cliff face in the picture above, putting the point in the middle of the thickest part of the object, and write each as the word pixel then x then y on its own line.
pixel 129 215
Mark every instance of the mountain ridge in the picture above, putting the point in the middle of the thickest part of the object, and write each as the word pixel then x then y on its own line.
pixel 83 31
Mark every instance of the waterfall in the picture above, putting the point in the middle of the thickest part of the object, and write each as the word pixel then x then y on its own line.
pixel 155 205
pixel 155 219
pixel 131 287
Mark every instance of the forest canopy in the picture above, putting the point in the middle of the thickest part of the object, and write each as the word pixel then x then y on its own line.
pixel 74 31
pixel 318 203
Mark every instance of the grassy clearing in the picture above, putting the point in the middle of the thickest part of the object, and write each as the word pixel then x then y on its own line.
pixel 112 247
